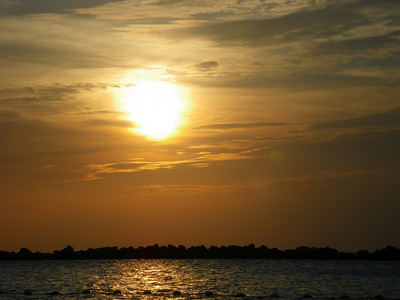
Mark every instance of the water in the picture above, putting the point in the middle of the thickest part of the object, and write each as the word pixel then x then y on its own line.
pixel 290 279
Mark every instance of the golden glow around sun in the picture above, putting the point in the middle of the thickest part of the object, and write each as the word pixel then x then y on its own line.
pixel 156 108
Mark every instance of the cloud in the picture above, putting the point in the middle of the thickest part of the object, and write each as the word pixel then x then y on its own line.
pixel 191 10
pixel 312 47
pixel 138 165
pixel 309 181
pixel 367 157
pixel 378 45
pixel 229 126
pixel 341 22
pixel 67 142
pixel 375 150
pixel 110 123
pixel 291 47
pixel 207 66
pixel 54 99
pixel 186 189
pixel 66 42
pixel 324 179
pixel 57 90
pixel 181 2
pixel 19 7
pixel 388 120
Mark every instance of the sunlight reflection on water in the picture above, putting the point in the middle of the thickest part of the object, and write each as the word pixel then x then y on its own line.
pixel 224 278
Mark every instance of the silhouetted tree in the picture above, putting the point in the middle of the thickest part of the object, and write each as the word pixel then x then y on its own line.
pixel 231 252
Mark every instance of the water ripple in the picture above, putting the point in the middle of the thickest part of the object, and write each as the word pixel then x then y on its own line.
pixel 191 279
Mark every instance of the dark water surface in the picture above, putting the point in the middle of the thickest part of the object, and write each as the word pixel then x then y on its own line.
pixel 224 278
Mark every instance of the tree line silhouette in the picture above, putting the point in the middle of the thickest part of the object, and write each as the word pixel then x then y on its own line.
pixel 202 252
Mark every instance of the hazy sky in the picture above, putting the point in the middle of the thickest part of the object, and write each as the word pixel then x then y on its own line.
pixel 193 122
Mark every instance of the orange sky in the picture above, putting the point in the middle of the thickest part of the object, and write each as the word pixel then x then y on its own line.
pixel 199 122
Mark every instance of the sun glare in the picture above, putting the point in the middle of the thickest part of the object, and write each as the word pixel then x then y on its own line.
pixel 156 108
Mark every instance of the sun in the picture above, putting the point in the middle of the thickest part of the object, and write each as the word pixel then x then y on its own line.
pixel 155 107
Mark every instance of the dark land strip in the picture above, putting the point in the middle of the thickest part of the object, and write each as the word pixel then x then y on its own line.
pixel 202 252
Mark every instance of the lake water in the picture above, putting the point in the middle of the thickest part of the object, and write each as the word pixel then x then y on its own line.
pixel 290 279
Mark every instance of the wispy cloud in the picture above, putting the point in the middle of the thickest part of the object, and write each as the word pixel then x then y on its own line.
pixel 304 182
pixel 185 189
pixel 137 165
pixel 195 9
pixel 229 126
pixel 207 66
pixel 108 123
pixel 59 98
pixel 65 42
pixel 20 7
pixel 298 47
pixel 311 181
pixel 388 120
pixel 330 21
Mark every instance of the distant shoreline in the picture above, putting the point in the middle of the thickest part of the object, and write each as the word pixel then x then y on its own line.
pixel 201 252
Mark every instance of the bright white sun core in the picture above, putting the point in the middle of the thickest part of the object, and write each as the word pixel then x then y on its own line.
pixel 155 107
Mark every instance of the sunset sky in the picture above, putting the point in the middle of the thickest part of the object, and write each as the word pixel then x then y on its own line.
pixel 135 122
